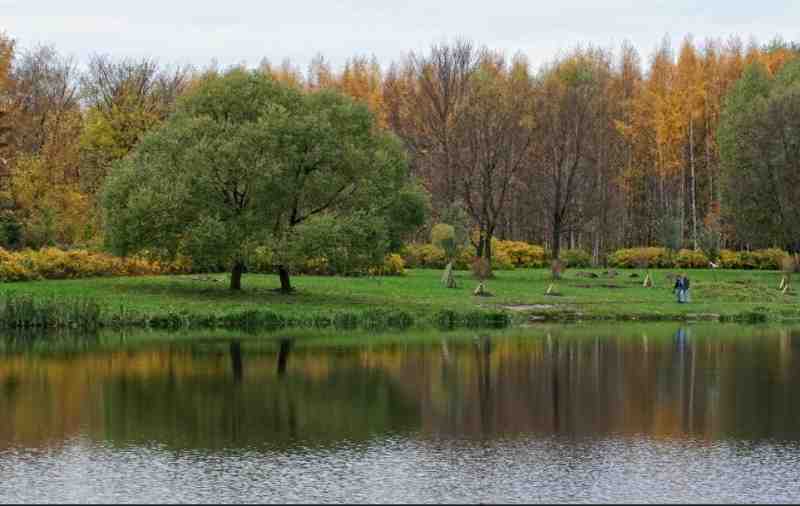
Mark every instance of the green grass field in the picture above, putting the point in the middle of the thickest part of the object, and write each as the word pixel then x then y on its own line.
pixel 716 294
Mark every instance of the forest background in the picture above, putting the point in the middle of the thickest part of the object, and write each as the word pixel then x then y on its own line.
pixel 595 150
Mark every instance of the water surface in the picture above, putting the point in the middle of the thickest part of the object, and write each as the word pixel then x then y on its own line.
pixel 582 413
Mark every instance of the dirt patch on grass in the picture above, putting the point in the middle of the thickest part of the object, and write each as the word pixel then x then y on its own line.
pixel 599 286
pixel 528 307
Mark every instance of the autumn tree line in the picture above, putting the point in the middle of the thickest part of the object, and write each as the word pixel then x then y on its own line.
pixel 697 148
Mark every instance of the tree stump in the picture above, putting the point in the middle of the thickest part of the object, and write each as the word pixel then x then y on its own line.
pixel 481 290
pixel 448 279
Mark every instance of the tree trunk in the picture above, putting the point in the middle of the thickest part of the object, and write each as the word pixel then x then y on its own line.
pixel 286 283
pixel 283 355
pixel 481 243
pixel 556 236
pixel 236 361
pixel 236 275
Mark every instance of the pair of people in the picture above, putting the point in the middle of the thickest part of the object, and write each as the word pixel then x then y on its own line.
pixel 682 288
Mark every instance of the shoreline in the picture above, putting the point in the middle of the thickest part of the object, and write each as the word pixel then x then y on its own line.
pixel 414 300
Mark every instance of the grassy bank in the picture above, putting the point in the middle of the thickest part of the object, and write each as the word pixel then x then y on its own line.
pixel 416 298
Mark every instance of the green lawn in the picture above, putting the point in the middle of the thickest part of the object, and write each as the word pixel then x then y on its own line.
pixel 727 294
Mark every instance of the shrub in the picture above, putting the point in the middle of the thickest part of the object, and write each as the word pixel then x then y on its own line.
pixel 521 254
pixel 393 265
pixel 641 257
pixel 464 258
pixel 261 260
pixel 425 256
pixel 791 264
pixel 575 258
pixel 505 255
pixel 502 260
pixel 730 259
pixel 53 263
pixel 691 259
pixel 769 259
pixel 765 259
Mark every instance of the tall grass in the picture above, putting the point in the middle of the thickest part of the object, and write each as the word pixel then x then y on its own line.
pixel 26 311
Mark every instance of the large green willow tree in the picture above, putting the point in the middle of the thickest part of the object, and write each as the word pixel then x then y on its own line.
pixel 246 162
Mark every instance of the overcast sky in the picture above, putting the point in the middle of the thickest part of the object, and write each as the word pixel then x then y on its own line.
pixel 236 31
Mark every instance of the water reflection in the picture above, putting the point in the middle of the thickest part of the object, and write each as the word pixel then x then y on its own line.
pixel 582 413
pixel 210 395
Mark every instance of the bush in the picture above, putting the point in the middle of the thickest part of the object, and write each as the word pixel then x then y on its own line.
pixel 464 258
pixel 641 257
pixel 765 259
pixel 424 256
pixel 691 259
pixel 730 259
pixel 53 263
pixel 393 265
pixel 502 260
pixel 575 258
pixel 520 254
pixel 791 264
pixel 261 260
pixel 506 255
pixel 769 259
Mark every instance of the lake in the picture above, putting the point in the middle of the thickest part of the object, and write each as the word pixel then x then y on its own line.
pixel 570 413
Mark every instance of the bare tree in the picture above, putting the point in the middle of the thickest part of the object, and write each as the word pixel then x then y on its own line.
pixel 424 99
pixel 570 107
pixel 45 90
pixel 492 139
pixel 109 83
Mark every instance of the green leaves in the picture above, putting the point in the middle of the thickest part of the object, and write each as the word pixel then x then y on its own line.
pixel 247 161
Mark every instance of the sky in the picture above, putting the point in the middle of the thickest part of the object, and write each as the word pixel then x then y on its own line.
pixel 240 31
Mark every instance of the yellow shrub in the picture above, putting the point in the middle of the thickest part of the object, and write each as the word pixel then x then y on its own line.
pixel 13 269
pixel 316 266
pixel 641 257
pixel 519 253
pixel 502 260
pixel 424 256
pixel 691 259
pixel 730 259
pixel 505 255
pixel 464 258
pixel 393 265
pixel 53 263
pixel 769 259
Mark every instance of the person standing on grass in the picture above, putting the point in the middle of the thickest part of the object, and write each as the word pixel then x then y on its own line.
pixel 678 289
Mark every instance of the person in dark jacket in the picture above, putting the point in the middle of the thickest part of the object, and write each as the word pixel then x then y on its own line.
pixel 680 287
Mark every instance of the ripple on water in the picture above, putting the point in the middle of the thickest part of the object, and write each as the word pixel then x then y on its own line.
pixel 393 469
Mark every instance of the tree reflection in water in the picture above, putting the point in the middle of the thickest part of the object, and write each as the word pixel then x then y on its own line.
pixel 663 382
